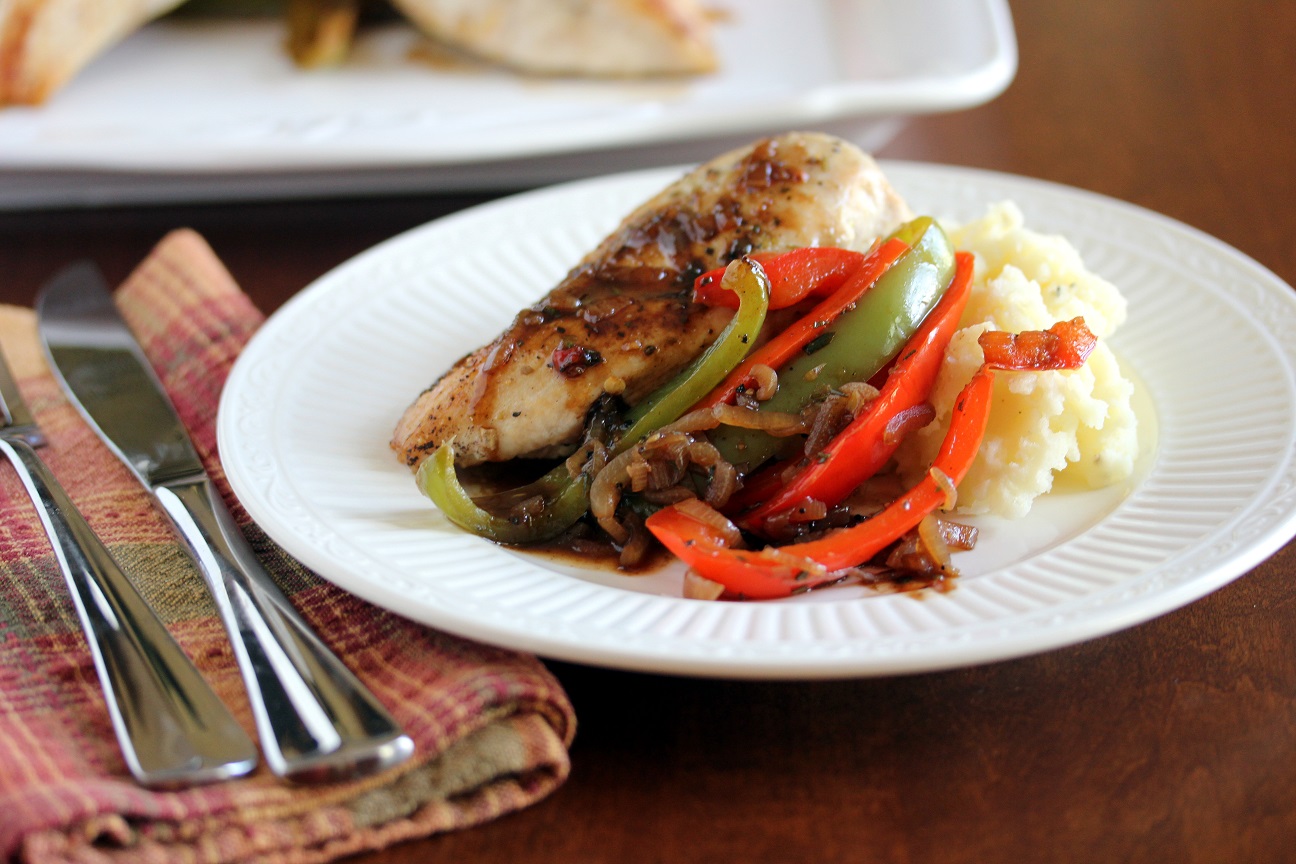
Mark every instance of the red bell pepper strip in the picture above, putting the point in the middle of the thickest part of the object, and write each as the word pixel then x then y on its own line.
pixel 1065 345
pixel 744 573
pixel 851 546
pixel 787 343
pixel 861 449
pixel 798 567
pixel 811 271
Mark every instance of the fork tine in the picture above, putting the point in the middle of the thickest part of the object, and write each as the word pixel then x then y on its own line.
pixel 14 409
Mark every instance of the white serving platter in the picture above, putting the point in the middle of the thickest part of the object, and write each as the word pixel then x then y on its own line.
pixel 199 109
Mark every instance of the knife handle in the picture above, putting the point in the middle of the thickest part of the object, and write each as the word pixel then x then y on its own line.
pixel 172 727
pixel 317 721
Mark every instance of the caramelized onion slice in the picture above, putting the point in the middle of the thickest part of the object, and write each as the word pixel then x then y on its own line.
pixel 708 515
pixel 946 485
pixel 698 587
pixel 957 535
pixel 907 421
pixel 766 382
pixel 777 423
pixel 923 552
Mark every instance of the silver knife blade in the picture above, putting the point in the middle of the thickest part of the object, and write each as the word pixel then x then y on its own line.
pixel 317 721
pixel 102 364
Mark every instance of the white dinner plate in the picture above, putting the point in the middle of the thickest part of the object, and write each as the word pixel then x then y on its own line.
pixel 200 108
pixel 1211 337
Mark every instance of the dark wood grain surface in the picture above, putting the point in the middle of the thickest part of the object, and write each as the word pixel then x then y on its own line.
pixel 1173 741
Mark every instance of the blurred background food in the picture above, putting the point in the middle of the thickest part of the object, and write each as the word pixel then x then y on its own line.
pixel 44 43
pixel 207 104
pixel 48 42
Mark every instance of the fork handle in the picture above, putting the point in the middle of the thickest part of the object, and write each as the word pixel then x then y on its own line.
pixel 172 727
pixel 317 721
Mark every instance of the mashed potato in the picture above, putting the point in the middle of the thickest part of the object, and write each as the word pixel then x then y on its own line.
pixel 1076 425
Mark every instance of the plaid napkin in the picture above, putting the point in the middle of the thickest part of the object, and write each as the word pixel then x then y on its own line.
pixel 491 727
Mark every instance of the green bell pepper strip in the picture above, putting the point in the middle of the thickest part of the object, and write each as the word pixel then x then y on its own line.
pixel 565 498
pixel 859 342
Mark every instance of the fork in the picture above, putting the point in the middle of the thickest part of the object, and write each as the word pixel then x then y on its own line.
pixel 173 729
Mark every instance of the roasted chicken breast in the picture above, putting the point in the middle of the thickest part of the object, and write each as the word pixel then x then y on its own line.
pixel 624 38
pixel 622 321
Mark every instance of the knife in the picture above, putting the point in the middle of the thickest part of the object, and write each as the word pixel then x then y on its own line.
pixel 316 720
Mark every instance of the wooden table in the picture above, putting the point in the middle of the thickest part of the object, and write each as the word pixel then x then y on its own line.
pixel 1172 741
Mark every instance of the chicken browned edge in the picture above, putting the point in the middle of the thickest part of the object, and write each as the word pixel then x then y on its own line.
pixel 622 321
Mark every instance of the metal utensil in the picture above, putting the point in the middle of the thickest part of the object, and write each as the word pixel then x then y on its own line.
pixel 173 729
pixel 317 721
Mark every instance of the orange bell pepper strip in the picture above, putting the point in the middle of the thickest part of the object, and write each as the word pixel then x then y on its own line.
pixel 861 449
pixel 810 271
